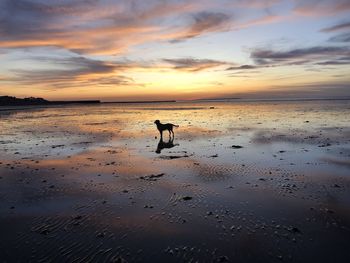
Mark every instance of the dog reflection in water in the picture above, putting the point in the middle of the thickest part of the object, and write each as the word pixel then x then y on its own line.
pixel 165 145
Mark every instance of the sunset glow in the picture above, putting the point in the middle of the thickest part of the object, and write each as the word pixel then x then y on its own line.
pixel 174 49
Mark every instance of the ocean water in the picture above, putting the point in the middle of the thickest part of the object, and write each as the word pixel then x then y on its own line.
pixel 259 181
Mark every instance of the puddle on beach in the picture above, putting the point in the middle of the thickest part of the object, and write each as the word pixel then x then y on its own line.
pixel 240 182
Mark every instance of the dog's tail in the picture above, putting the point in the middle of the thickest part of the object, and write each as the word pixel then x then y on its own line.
pixel 177 126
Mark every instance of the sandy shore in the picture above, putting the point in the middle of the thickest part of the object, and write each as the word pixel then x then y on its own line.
pixel 241 182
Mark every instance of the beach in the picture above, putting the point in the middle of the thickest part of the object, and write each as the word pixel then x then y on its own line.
pixel 259 181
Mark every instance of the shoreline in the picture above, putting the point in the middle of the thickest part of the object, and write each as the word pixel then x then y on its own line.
pixel 94 103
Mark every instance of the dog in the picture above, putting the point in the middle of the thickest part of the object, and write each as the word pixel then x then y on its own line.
pixel 162 127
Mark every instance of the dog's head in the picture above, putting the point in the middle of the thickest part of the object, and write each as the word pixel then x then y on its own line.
pixel 156 121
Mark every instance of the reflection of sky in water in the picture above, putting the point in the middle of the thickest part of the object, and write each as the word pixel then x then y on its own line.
pixel 92 161
pixel 306 132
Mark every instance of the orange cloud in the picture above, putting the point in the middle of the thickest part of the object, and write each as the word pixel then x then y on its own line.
pixel 321 8
pixel 98 27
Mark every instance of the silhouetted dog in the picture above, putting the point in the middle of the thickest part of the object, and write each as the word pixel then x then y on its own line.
pixel 162 127
pixel 165 145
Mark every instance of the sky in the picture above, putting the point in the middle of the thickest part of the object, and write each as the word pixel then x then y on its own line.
pixel 115 50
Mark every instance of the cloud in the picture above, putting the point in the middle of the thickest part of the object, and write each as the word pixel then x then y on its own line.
pixel 242 67
pixel 338 27
pixel 111 27
pixel 338 61
pixel 255 3
pixel 102 27
pixel 321 7
pixel 244 71
pixel 80 30
pixel 39 16
pixel 341 27
pixel 298 56
pixel 99 27
pixel 194 65
pixel 72 71
pixel 317 55
pixel 78 71
pixel 299 53
pixel 204 22
pixel 90 26
pixel 312 58
pixel 341 38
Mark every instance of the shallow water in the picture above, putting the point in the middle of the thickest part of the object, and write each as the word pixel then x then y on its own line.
pixel 94 183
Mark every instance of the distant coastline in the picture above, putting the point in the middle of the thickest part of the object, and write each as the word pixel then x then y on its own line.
pixel 13 102
pixel 31 101
pixel 217 99
pixel 267 99
pixel 142 101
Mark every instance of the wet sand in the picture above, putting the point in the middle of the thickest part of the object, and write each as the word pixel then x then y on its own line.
pixel 241 182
